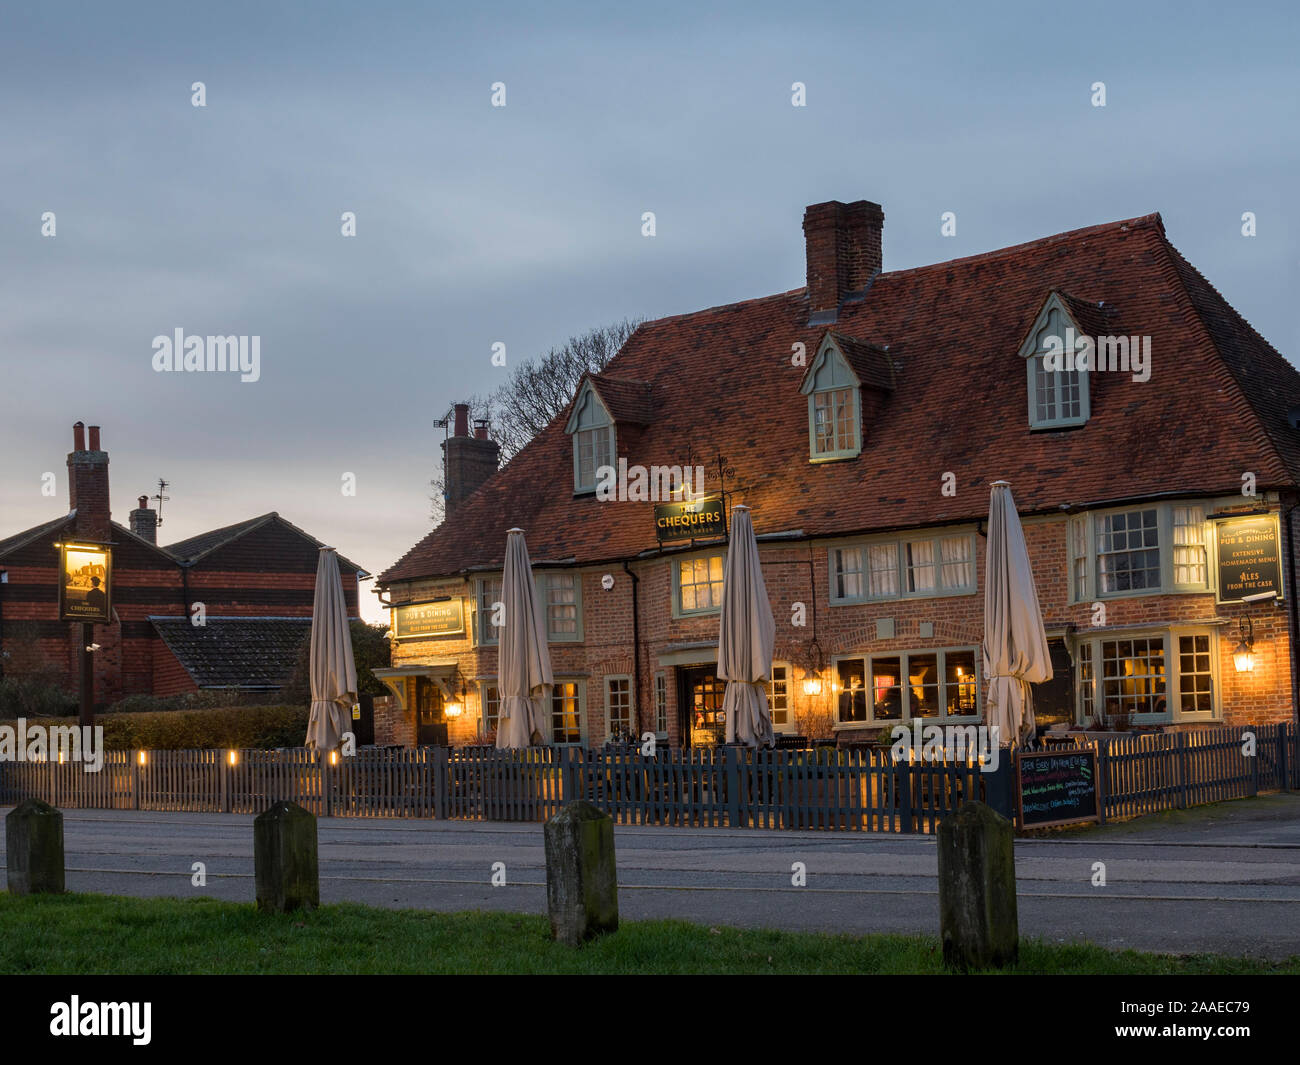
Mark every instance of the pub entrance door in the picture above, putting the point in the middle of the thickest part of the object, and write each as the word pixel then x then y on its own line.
pixel 430 725
pixel 700 720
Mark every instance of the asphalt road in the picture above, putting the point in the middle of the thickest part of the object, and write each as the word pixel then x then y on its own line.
pixel 1223 878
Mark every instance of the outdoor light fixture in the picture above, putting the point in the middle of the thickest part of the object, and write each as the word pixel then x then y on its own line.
pixel 812 684
pixel 334 757
pixel 232 757
pixel 1244 656
pixel 142 758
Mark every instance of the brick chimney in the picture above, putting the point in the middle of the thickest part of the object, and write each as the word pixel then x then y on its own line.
pixel 843 245
pixel 88 485
pixel 467 461
pixel 144 522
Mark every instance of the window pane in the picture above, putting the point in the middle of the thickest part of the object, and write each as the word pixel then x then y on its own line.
pixel 1086 679
pixel 1195 682
pixel 489 594
pixel 960 684
pixel 883 560
pixel 1189 546
pixel 701 583
pixel 923 685
pixel 848 572
pixel 853 690
pixel 491 707
pixel 1128 551
pixel 778 696
pixel 661 703
pixel 562 604
pixel 565 727
pixel 957 571
pixel 618 693
pixel 886 689
pixel 1133 677
pixel 920 566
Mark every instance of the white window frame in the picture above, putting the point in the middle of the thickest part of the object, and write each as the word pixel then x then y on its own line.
pixel 789 725
pixel 676 562
pixel 483 687
pixel 661 704
pixel 591 419
pixel 900 543
pixel 542 583
pixel 1165 530
pixel 610 680
pixel 1032 351
pixel 905 690
pixel 483 612
pixel 830 373
pixel 1169 635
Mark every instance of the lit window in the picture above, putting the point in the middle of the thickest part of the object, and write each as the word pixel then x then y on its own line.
pixel 851 678
pixel 1195 675
pixel 936 685
pixel 1146 678
pixel 700 584
pixel 1190 569
pixel 1133 677
pixel 566 718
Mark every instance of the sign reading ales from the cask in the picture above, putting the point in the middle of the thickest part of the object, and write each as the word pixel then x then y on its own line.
pixel 1248 557
pixel 446 618
pixel 698 519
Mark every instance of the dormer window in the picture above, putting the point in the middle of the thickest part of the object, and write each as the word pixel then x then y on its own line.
pixel 834 405
pixel 1058 390
pixel 592 430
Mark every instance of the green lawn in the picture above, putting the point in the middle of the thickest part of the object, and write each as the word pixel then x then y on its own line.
pixel 108 934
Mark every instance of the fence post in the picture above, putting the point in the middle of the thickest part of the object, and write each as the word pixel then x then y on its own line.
pixel 570 781
pixel 226 770
pixel 731 767
pixel 1254 762
pixel 1180 747
pixel 1283 773
pixel 135 779
pixel 441 784
pixel 903 778
pixel 326 782
pixel 998 784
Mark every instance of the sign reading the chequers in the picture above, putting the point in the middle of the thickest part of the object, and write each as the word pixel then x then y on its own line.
pixel 86 583
pixel 1248 558
pixel 445 618
pixel 697 519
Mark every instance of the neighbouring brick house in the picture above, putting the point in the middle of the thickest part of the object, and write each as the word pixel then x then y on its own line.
pixel 255 581
pixel 862 418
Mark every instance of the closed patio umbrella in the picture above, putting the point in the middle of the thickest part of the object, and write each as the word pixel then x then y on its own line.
pixel 1015 645
pixel 333 671
pixel 746 633
pixel 524 662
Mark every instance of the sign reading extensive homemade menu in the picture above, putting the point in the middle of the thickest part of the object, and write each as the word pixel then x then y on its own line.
pixel 446 618
pixel 1057 788
pixel 694 520
pixel 1248 557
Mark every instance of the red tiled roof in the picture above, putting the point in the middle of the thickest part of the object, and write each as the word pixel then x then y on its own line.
pixel 1214 407
pixel 873 365
pixel 627 401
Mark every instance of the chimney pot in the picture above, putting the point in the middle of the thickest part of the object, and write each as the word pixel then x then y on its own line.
pixel 78 436
pixel 480 429
pixel 94 438
pixel 462 419
pixel 144 502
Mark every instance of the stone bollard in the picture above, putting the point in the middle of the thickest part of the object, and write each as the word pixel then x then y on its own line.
pixel 977 889
pixel 581 878
pixel 284 859
pixel 34 848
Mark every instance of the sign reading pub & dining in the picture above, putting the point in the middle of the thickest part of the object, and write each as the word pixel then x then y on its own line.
pixel 1247 556
pixel 445 618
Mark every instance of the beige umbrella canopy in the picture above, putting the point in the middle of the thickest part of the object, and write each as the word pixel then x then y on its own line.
pixel 333 671
pixel 524 662
pixel 746 633
pixel 1015 645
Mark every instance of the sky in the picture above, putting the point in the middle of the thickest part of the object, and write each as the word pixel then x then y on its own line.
pixel 522 224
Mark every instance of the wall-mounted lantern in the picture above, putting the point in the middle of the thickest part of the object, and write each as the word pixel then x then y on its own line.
pixel 1244 656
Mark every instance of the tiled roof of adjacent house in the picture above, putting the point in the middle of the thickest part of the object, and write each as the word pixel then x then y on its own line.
pixel 256 653
pixel 1215 406
pixel 196 547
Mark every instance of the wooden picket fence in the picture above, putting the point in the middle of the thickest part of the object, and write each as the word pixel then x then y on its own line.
pixel 855 790
pixel 847 790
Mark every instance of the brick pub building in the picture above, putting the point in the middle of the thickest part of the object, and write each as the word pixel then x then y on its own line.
pixel 255 581
pixel 863 417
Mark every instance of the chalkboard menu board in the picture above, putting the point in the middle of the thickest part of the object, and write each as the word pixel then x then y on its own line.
pixel 1057 787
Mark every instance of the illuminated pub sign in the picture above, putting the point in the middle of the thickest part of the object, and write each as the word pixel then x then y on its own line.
pixel 445 618
pixel 1248 558
pixel 685 521
pixel 86 582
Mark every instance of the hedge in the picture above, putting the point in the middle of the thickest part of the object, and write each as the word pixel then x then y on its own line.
pixel 264 727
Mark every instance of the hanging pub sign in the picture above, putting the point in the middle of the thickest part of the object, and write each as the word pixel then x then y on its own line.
pixel 1247 556
pixel 443 618
pixel 697 519
pixel 86 582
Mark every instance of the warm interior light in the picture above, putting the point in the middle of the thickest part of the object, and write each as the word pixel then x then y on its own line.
pixel 142 758
pixel 334 757
pixel 1243 658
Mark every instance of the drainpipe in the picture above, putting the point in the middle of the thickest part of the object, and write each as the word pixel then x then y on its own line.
pixel 4 580
pixel 636 644
pixel 1293 618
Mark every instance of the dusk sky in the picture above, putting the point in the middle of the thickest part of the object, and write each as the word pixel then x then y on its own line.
pixel 522 224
